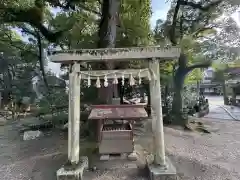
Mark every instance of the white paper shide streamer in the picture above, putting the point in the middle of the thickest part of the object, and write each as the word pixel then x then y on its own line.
pixel 89 81
pixel 139 78
pixel 105 81
pixel 123 79
pixel 98 83
pixel 115 75
pixel 131 80
pixel 115 80
pixel 149 76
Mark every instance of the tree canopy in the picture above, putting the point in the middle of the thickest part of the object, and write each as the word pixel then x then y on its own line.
pixel 203 29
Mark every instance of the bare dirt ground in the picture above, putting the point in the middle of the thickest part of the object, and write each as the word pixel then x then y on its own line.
pixel 196 156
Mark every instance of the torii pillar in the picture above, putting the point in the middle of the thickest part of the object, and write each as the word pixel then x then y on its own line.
pixel 162 167
pixel 76 164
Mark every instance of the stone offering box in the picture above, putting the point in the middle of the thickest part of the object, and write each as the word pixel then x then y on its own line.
pixel 115 126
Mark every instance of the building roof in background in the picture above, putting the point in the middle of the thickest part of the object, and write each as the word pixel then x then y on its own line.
pixel 233 71
pixel 209 85
pixel 208 73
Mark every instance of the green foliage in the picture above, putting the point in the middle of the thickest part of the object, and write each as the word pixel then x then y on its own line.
pixel 193 77
pixel 135 24
pixel 54 100
pixel 83 31
pixel 77 25
pixel 189 97
pixel 194 25
pixel 19 3
pixel 17 62
pixel 44 107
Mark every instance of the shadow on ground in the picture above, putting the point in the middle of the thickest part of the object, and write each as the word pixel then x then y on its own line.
pixel 39 159
pixel 35 159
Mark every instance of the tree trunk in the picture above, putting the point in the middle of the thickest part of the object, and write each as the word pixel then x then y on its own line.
pixel 179 77
pixel 7 81
pixel 6 97
pixel 166 93
pixel 177 105
pixel 41 60
pixel 234 96
pixel 107 34
pixel 222 80
pixel 121 91
pixel 225 97
pixel 177 101
pixel 105 94
pixel 149 99
pixel 198 89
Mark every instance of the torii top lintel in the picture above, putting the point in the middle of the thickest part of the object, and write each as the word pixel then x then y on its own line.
pixel 114 54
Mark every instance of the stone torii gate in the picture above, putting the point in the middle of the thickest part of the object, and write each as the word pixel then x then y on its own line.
pixel 74 58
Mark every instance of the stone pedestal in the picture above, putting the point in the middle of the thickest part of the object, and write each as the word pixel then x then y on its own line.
pixel 162 173
pixel 74 173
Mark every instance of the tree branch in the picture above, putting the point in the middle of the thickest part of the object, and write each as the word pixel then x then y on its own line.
pixel 32 16
pixel 28 31
pixel 11 43
pixel 100 2
pixel 89 10
pixel 19 47
pixel 40 51
pixel 37 35
pixel 199 5
pixel 201 30
pixel 70 4
pixel 199 65
pixel 172 34
pixel 174 69
pixel 181 26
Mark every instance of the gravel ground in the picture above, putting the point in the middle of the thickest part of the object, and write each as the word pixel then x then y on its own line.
pixel 206 156
pixel 30 160
pixel 196 156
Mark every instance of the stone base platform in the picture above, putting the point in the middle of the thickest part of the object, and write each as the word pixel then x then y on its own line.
pixel 162 173
pixel 73 173
pixel 132 157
